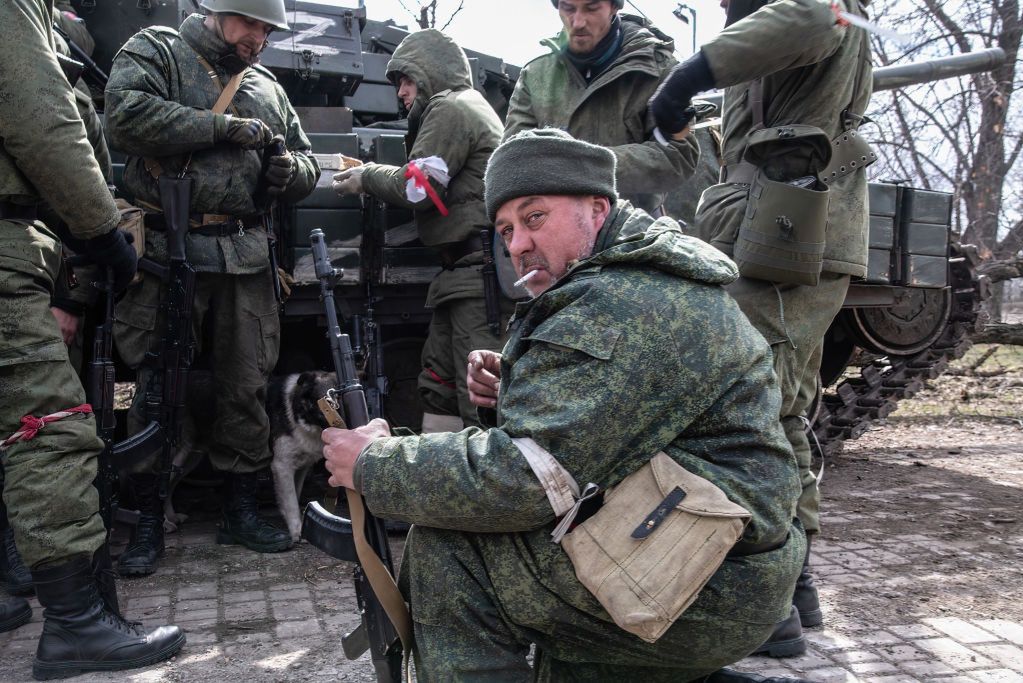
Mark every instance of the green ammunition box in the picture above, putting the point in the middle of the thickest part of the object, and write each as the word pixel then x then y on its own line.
pixel 883 199
pixel 409 265
pixel 882 232
pixel 340 228
pixel 927 239
pixel 879 266
pixel 344 259
pixel 924 271
pixel 389 149
pixel 926 206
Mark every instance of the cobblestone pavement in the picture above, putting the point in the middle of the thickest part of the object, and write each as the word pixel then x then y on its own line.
pixel 919 570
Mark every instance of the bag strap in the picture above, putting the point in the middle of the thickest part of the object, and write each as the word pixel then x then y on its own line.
pixel 224 100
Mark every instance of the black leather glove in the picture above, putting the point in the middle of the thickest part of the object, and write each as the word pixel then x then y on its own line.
pixel 671 104
pixel 280 169
pixel 246 133
pixel 113 250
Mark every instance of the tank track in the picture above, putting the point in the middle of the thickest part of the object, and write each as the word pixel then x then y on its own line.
pixel 874 394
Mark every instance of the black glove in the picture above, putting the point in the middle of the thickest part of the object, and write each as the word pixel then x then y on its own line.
pixel 114 251
pixel 246 133
pixel 671 104
pixel 280 169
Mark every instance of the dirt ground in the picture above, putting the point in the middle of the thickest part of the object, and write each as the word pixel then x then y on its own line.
pixel 919 564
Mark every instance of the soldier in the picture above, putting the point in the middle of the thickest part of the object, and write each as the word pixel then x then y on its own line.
pixel 67 304
pixel 162 86
pixel 49 459
pixel 451 121
pixel 595 83
pixel 823 80
pixel 607 365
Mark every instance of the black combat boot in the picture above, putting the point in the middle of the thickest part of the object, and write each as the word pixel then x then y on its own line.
pixel 16 577
pixel 733 676
pixel 106 579
pixel 241 523
pixel 80 634
pixel 805 598
pixel 787 639
pixel 13 613
pixel 146 544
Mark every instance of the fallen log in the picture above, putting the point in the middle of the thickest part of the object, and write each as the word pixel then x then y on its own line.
pixel 1000 333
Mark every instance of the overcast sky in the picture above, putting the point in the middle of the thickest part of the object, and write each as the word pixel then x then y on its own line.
pixel 512 29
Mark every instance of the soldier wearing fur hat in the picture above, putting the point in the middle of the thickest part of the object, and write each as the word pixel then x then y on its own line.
pixel 594 83
pixel 608 368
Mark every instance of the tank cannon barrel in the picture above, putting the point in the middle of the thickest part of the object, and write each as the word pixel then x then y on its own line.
pixel 902 75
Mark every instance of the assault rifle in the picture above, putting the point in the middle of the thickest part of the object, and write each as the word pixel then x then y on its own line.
pixel 99 391
pixel 336 535
pixel 169 364
pixel 91 69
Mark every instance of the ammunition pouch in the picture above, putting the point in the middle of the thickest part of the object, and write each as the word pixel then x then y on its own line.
pixel 649 550
pixel 132 222
pixel 782 234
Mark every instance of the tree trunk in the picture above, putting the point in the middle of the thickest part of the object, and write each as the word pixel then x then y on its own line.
pixel 1000 333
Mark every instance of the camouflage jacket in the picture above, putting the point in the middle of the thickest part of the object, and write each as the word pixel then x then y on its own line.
pixel 810 81
pixel 451 120
pixel 638 349
pixel 610 111
pixel 45 154
pixel 158 105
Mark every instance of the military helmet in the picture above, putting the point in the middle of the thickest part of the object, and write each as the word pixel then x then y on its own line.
pixel 617 3
pixel 269 11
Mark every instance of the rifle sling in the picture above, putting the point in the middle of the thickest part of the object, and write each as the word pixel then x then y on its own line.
pixel 227 94
pixel 380 580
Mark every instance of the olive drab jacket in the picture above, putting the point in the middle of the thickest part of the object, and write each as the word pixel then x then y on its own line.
pixel 453 121
pixel 811 81
pixel 45 155
pixel 609 111
pixel 158 102
pixel 603 370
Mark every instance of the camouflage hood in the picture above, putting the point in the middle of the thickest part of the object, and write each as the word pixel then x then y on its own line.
pixel 433 61
pixel 631 237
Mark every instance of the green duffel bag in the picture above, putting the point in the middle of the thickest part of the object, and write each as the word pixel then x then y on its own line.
pixel 781 237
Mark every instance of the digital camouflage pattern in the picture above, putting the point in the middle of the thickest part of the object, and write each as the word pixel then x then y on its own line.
pixel 158 100
pixel 453 121
pixel 610 111
pixel 608 367
pixel 811 81
pixel 52 503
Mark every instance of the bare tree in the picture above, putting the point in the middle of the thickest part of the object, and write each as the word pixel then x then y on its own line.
pixel 963 135
pixel 426 17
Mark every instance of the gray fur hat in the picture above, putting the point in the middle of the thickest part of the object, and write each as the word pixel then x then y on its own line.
pixel 617 3
pixel 547 161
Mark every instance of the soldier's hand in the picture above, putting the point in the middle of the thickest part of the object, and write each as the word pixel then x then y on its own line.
pixel 671 104
pixel 247 133
pixel 349 181
pixel 279 172
pixel 113 251
pixel 484 378
pixel 68 324
pixel 341 448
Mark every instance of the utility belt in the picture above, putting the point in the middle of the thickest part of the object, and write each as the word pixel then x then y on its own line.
pixel 18 212
pixel 452 253
pixel 208 224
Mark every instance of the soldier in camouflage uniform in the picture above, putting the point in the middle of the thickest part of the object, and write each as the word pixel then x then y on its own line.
pixel 67 304
pixel 824 80
pixel 609 363
pixel 159 97
pixel 451 120
pixel 49 459
pixel 594 83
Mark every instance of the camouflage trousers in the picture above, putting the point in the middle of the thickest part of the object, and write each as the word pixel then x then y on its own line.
pixel 48 488
pixel 457 328
pixel 238 315
pixel 794 319
pixel 479 600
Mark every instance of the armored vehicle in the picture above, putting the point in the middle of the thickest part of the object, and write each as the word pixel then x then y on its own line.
pixel 900 326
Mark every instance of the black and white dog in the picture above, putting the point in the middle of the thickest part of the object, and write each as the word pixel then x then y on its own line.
pixel 295 426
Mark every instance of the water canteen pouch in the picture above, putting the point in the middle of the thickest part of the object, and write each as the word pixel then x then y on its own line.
pixel 647 553
pixel 782 234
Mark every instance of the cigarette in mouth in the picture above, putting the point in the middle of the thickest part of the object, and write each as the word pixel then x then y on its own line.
pixel 526 278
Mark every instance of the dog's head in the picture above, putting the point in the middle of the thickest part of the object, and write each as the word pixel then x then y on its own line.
pixel 310 387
